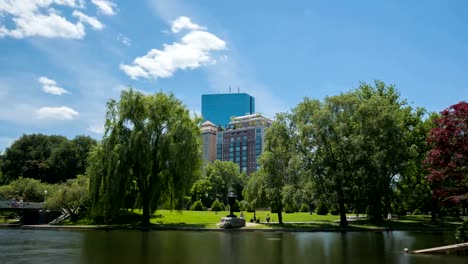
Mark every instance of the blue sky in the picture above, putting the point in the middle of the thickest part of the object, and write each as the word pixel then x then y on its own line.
pixel 62 60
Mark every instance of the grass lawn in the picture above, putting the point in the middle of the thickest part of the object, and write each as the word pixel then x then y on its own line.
pixel 208 219
pixel 302 221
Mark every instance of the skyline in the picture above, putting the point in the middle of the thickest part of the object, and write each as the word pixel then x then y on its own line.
pixel 63 60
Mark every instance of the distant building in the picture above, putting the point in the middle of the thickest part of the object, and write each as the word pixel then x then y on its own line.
pixel 219 108
pixel 208 131
pixel 243 141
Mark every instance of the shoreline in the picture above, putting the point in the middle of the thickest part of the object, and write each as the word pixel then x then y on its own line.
pixel 203 229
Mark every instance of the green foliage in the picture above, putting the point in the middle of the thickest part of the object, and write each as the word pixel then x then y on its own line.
pixel 335 209
pixel 72 196
pixel 202 190
pixel 28 190
pixel 461 233
pixel 150 148
pixel 304 208
pixel 290 209
pixel 197 206
pixel 224 176
pixel 322 209
pixel 417 212
pixel 279 163
pixel 50 159
pixel 254 191
pixel 245 206
pixel 217 206
pixel 236 206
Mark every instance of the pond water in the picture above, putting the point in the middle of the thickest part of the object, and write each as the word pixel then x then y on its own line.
pixel 56 246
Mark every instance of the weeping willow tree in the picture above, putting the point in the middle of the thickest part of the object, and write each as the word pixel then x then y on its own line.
pixel 150 148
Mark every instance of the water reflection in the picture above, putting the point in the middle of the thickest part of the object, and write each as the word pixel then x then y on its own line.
pixel 37 246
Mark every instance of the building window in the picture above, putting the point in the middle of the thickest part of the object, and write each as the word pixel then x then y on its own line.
pixel 244 147
pixel 244 169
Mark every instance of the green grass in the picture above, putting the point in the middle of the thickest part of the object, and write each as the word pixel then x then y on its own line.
pixel 207 219
pixel 302 221
pixel 210 219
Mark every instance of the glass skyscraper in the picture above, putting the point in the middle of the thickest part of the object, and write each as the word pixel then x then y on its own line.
pixel 219 108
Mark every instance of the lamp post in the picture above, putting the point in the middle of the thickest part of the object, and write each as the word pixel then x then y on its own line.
pixel 45 195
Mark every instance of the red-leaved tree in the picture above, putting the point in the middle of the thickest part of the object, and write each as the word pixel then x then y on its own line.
pixel 448 158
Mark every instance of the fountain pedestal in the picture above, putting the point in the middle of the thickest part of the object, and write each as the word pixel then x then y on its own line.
pixel 231 220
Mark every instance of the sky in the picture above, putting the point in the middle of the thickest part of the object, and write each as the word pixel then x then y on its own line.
pixel 62 60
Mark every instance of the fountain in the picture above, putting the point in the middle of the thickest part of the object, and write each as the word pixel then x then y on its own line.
pixel 231 220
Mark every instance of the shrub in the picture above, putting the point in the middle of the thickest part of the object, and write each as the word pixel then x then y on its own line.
pixel 304 208
pixel 236 206
pixel 461 233
pixel 217 206
pixel 245 206
pixel 322 209
pixel 335 210
pixel 197 206
pixel 416 212
pixel 290 209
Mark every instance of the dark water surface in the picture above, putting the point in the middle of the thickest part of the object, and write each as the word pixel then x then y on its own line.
pixel 53 246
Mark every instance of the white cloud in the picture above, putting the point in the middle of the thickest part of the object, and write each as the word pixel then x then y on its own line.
pixel 59 113
pixel 193 51
pixel 125 40
pixel 184 22
pixel 92 21
pixel 105 6
pixel 97 129
pixel 39 18
pixel 50 86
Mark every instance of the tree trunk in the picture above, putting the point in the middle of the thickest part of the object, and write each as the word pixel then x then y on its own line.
pixel 343 220
pixel 255 216
pixel 434 211
pixel 376 216
pixel 280 217
pixel 145 218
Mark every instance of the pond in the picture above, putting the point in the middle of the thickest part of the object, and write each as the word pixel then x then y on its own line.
pixel 56 246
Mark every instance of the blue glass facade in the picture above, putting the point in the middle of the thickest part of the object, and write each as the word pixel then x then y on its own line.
pixel 219 108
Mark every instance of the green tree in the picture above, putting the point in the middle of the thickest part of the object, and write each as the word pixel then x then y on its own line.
pixel 254 191
pixel 50 159
pixel 325 139
pixel 278 163
pixel 354 145
pixel 73 196
pixel 202 190
pixel 413 190
pixel 150 140
pixel 26 189
pixel 382 129
pixel 224 177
